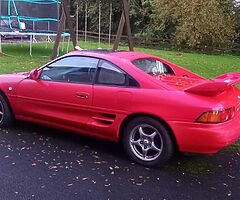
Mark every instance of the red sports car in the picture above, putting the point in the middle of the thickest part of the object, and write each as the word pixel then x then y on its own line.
pixel 152 106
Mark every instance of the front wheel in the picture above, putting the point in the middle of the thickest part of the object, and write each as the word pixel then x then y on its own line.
pixel 6 116
pixel 147 141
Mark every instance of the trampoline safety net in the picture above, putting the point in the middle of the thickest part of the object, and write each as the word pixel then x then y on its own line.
pixel 38 16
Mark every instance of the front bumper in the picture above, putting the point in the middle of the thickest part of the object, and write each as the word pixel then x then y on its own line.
pixel 205 138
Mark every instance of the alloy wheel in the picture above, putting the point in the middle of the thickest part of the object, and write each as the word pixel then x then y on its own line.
pixel 146 142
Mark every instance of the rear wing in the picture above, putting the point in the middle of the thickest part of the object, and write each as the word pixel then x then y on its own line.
pixel 232 78
pixel 215 86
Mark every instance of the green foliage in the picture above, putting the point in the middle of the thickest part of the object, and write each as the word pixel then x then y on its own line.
pixel 140 16
pixel 209 25
pixel 236 12
pixel 199 24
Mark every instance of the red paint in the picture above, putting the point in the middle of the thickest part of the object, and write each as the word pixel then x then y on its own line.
pixel 99 111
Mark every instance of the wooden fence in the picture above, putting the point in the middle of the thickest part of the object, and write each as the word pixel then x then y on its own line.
pixel 138 41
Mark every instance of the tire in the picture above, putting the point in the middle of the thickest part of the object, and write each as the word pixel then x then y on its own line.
pixel 6 117
pixel 147 142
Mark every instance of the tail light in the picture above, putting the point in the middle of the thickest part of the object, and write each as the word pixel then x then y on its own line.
pixel 213 117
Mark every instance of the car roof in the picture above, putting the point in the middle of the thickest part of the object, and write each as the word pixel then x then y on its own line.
pixel 119 54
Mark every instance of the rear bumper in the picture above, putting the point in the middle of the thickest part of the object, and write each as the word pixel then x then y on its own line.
pixel 205 138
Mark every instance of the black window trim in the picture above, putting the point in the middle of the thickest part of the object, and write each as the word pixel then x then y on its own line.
pixel 126 85
pixel 94 82
pixel 63 57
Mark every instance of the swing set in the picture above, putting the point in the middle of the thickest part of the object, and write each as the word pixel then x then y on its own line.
pixel 86 16
pixel 31 18
pixel 65 17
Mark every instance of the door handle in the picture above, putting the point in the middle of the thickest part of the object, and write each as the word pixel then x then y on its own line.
pixel 83 95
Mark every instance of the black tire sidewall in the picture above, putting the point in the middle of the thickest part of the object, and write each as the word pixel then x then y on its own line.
pixel 168 147
pixel 7 114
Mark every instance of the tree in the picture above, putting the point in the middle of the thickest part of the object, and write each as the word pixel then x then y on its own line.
pixel 236 12
pixel 140 16
pixel 198 24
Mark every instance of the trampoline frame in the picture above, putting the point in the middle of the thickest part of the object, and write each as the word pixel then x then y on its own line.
pixel 12 9
pixel 32 36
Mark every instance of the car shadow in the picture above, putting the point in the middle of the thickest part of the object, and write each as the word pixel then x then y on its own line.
pixel 192 164
pixel 72 138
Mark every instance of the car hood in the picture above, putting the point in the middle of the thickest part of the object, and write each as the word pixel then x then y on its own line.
pixel 12 78
pixel 9 82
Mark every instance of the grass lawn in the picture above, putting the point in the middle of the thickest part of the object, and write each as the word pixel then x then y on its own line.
pixel 209 66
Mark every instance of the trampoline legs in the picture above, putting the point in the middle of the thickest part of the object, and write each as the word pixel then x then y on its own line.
pixel 68 44
pixel 34 39
pixel 48 41
pixel 0 43
pixel 31 40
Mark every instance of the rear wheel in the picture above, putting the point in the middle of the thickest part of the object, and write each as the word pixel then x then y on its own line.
pixel 6 116
pixel 147 141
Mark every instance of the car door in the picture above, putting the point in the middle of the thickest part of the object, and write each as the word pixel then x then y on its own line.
pixel 62 95
pixel 112 98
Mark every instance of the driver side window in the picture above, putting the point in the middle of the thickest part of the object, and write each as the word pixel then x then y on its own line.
pixel 73 69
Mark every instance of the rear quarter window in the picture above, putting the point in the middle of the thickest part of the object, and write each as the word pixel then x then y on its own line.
pixel 153 66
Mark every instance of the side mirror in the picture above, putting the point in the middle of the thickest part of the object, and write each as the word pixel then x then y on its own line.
pixel 35 74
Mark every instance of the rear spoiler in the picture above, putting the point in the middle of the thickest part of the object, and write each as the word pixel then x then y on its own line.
pixel 215 86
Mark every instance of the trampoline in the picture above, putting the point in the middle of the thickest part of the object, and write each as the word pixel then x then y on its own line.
pixel 31 18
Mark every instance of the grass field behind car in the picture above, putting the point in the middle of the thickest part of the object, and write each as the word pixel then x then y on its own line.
pixel 17 58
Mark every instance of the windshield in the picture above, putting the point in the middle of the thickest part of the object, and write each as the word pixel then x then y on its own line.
pixel 153 67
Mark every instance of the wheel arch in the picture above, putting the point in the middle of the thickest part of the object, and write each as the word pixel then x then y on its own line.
pixel 8 102
pixel 136 115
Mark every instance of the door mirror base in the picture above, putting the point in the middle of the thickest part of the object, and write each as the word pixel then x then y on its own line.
pixel 35 74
